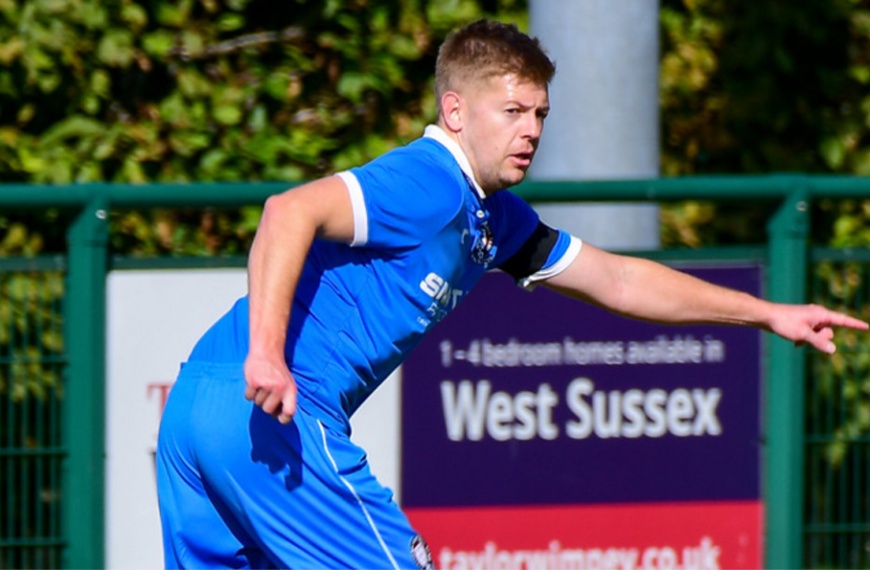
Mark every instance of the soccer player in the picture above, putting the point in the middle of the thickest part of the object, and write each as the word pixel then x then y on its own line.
pixel 346 274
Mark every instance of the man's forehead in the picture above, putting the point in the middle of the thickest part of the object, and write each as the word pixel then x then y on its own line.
pixel 509 86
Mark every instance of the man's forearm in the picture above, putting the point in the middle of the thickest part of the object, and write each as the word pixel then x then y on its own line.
pixel 275 264
pixel 655 292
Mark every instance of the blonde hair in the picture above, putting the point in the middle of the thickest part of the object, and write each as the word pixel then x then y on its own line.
pixel 484 49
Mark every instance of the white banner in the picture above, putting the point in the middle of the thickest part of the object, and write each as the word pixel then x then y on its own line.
pixel 154 317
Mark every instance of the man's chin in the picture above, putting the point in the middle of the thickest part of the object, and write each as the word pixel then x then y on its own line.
pixel 514 178
pixel 506 180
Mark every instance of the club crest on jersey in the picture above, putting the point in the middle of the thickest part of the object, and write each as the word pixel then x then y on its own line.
pixel 421 554
pixel 483 250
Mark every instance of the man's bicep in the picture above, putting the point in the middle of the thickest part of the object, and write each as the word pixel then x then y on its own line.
pixel 326 203
pixel 593 275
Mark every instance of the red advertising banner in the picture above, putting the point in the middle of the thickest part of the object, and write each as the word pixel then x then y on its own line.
pixel 685 536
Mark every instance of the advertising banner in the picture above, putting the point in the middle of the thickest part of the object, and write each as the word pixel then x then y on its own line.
pixel 539 432
pixel 153 317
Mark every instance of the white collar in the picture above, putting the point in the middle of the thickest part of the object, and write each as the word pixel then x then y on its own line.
pixel 437 133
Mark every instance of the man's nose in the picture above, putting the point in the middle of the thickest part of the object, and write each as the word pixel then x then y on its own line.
pixel 533 126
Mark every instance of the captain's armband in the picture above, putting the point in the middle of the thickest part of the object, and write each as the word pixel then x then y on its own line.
pixel 546 253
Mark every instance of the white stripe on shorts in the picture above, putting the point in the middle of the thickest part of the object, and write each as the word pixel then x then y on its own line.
pixel 358 500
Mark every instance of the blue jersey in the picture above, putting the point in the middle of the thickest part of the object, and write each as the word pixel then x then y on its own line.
pixel 424 235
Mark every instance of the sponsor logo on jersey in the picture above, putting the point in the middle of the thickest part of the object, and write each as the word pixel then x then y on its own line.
pixel 444 296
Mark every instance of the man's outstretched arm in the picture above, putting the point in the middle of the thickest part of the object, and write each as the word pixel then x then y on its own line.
pixel 647 290
pixel 289 224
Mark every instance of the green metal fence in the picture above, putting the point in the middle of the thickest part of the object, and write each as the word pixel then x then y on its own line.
pixel 837 430
pixel 52 401
pixel 31 452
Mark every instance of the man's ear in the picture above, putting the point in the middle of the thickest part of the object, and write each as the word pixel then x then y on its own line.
pixel 451 105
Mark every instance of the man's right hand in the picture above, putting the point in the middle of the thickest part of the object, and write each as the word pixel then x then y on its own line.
pixel 271 386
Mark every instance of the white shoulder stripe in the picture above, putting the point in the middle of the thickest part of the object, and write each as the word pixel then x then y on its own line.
pixel 360 215
pixel 561 265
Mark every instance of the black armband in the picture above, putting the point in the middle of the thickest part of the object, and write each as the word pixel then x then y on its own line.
pixel 533 254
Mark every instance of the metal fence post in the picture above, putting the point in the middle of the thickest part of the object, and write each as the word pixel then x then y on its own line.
pixel 84 391
pixel 783 477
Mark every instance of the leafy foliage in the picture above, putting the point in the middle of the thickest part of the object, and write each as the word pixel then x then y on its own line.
pixel 751 87
pixel 759 87
pixel 203 90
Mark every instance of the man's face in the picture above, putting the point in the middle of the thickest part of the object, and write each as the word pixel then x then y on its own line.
pixel 502 121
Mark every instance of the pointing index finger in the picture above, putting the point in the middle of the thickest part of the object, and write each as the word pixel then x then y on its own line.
pixel 839 319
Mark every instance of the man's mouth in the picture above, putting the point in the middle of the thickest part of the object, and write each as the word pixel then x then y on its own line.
pixel 523 159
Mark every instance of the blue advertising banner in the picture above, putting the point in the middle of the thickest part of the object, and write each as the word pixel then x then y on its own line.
pixel 524 398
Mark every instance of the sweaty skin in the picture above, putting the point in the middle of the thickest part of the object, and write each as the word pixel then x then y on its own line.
pixel 498 123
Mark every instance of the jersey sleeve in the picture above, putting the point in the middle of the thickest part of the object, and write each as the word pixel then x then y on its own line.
pixel 532 251
pixel 399 200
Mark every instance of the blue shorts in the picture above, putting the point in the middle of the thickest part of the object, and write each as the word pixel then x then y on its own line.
pixel 239 489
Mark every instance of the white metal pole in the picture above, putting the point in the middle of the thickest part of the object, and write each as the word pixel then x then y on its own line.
pixel 604 122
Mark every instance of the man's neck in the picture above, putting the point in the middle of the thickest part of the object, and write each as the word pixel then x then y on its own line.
pixel 451 142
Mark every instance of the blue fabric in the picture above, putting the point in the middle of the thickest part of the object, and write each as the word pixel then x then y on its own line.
pixel 239 489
